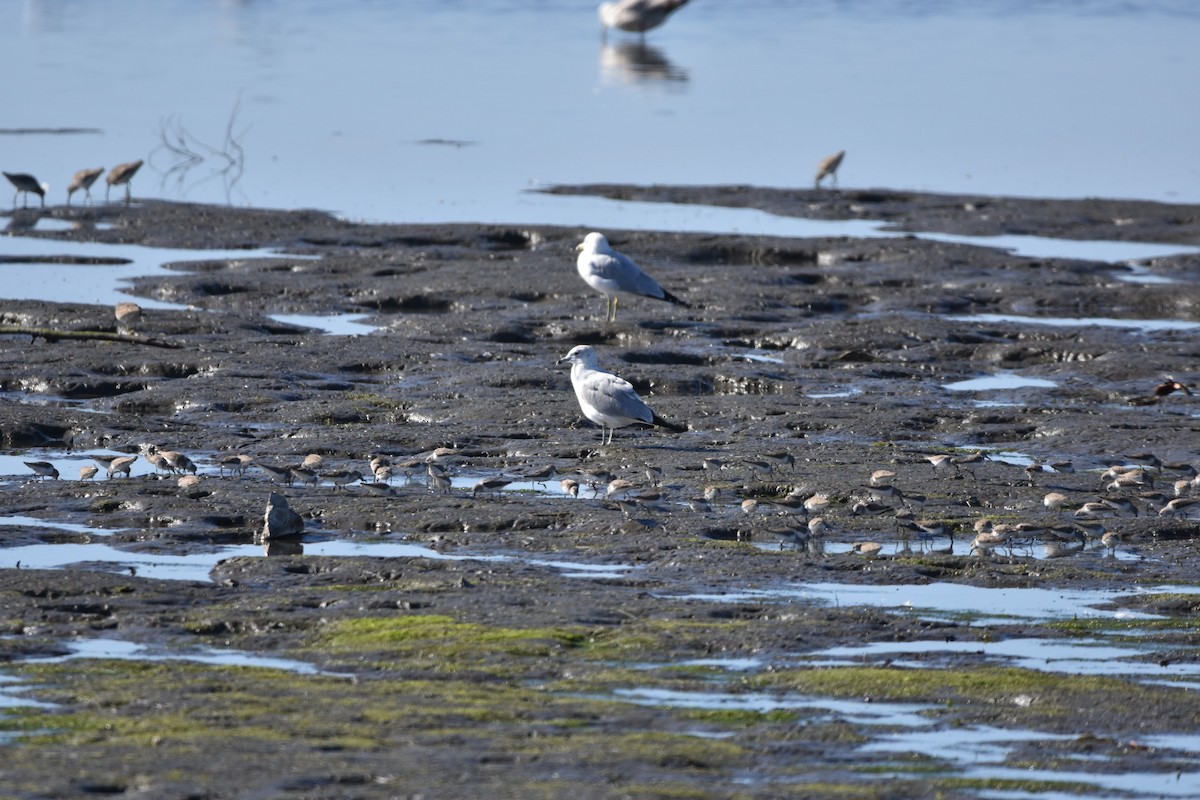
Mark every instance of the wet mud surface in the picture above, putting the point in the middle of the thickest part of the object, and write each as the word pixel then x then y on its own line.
pixel 495 662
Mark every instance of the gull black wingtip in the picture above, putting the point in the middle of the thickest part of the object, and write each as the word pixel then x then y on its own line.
pixel 671 426
pixel 670 298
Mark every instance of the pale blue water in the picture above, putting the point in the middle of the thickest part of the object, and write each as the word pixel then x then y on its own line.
pixel 1087 98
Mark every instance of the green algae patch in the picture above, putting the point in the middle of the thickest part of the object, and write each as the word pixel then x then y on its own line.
pixel 1026 696
pixel 443 644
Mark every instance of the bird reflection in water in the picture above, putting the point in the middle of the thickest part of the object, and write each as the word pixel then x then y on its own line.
pixel 283 547
pixel 637 62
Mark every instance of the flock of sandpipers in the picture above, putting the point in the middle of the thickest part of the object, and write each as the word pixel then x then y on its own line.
pixel 1070 519
pixel 120 175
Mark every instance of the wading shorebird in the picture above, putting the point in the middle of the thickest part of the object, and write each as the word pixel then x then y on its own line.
pixel 122 174
pixel 27 184
pixel 128 315
pixel 614 274
pixel 828 168
pixel 637 16
pixel 84 180
pixel 43 469
pixel 608 400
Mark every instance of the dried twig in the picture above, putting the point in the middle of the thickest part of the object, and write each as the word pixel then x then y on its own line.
pixel 57 334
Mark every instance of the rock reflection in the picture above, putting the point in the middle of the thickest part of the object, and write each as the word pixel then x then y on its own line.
pixel 639 63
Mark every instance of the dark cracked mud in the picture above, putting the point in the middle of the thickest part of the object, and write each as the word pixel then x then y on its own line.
pixel 499 672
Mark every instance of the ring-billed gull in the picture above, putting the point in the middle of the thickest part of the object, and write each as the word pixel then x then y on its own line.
pixel 638 16
pixel 608 400
pixel 614 274
pixel 829 167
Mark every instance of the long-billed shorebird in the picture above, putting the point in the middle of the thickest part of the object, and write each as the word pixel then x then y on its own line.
pixel 615 274
pixel 84 180
pixel 828 168
pixel 28 184
pixel 606 399
pixel 637 16
pixel 122 174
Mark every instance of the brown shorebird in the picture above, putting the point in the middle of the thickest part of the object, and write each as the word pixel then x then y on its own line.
pixel 122 174
pixel 828 168
pixel 26 183
pixel 128 315
pixel 637 16
pixel 84 180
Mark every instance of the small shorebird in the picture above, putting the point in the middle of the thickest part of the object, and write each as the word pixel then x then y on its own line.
pixel 128 315
pixel 306 476
pixel 88 472
pixel 237 464
pixel 620 489
pixel 637 16
pixel 570 486
pixel 377 489
pixel 27 184
pixel 780 459
pixel 541 476
pixel 880 477
pixel 493 485
pixel 121 464
pixel 1055 501
pixel 104 459
pixel 84 180
pixel 43 469
pixel 439 481
pixel 277 474
pixel 615 274
pixel 178 462
pixel 828 168
pixel 280 520
pixel 341 478
pixel 159 463
pixel 122 174
pixel 942 463
pixel 312 461
pixel 607 400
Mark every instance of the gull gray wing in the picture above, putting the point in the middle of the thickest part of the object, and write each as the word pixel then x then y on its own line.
pixel 625 274
pixel 613 396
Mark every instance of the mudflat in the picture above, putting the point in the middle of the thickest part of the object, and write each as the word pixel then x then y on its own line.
pixel 674 644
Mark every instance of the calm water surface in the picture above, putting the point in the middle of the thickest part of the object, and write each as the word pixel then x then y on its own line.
pixel 449 111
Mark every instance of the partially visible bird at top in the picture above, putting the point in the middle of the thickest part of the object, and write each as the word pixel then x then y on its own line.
pixel 84 180
pixel 27 184
pixel 828 168
pixel 637 16
pixel 614 274
pixel 122 174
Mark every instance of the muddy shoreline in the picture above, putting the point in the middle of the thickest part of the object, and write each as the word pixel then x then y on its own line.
pixel 504 672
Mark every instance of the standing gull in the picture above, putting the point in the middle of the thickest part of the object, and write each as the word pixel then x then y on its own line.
pixel 637 16
pixel 613 274
pixel 607 400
